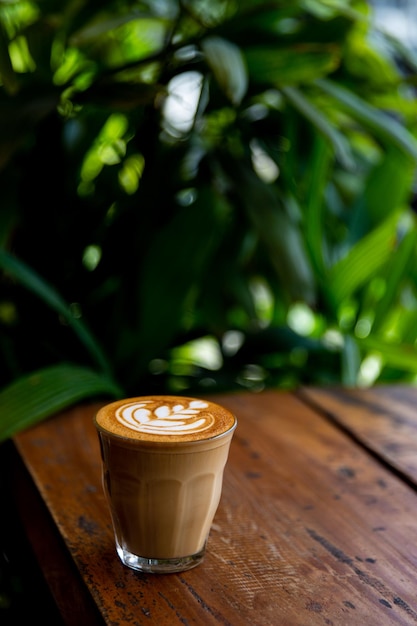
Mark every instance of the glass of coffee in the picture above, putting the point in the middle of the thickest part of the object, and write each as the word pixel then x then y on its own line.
pixel 163 459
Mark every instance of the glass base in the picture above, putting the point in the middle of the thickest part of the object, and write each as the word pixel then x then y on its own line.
pixel 159 566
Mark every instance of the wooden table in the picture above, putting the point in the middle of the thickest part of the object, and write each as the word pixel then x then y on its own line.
pixel 317 522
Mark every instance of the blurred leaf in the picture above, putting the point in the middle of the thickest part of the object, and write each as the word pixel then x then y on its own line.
pixel 278 233
pixel 32 281
pixel 384 126
pixel 136 40
pixel 315 206
pixel 324 126
pixel 365 62
pixel 402 49
pixel 402 319
pixel 351 361
pixel 362 260
pixel 34 397
pixel 92 31
pixel 225 280
pixel 7 74
pixel 276 340
pixel 228 66
pixel 388 185
pixel 329 8
pixel 399 355
pixel 170 272
pixel 258 25
pixel 303 62
pixel 386 189
pixel 394 275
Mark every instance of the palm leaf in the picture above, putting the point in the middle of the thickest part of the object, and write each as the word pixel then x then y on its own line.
pixel 36 396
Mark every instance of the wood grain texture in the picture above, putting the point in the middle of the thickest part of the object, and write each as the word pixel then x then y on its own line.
pixel 311 528
pixel 383 419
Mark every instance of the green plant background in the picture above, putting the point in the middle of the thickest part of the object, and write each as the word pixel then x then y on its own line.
pixel 267 240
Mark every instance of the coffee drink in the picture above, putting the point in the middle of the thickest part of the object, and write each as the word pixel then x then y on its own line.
pixel 163 461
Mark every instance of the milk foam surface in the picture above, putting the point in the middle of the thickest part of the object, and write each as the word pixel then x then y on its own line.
pixel 165 419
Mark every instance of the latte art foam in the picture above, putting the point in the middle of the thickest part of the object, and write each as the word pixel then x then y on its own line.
pixel 165 419
pixel 169 419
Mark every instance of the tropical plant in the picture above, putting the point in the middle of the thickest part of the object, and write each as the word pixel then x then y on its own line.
pixel 200 196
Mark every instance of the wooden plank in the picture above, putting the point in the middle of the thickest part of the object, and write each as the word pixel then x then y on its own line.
pixel 310 529
pixel 382 418
pixel 58 569
pixel 24 590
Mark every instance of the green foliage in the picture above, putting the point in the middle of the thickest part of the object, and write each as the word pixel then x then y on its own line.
pixel 37 395
pixel 202 197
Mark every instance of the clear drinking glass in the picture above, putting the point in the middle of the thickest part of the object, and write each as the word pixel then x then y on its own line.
pixel 163 459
